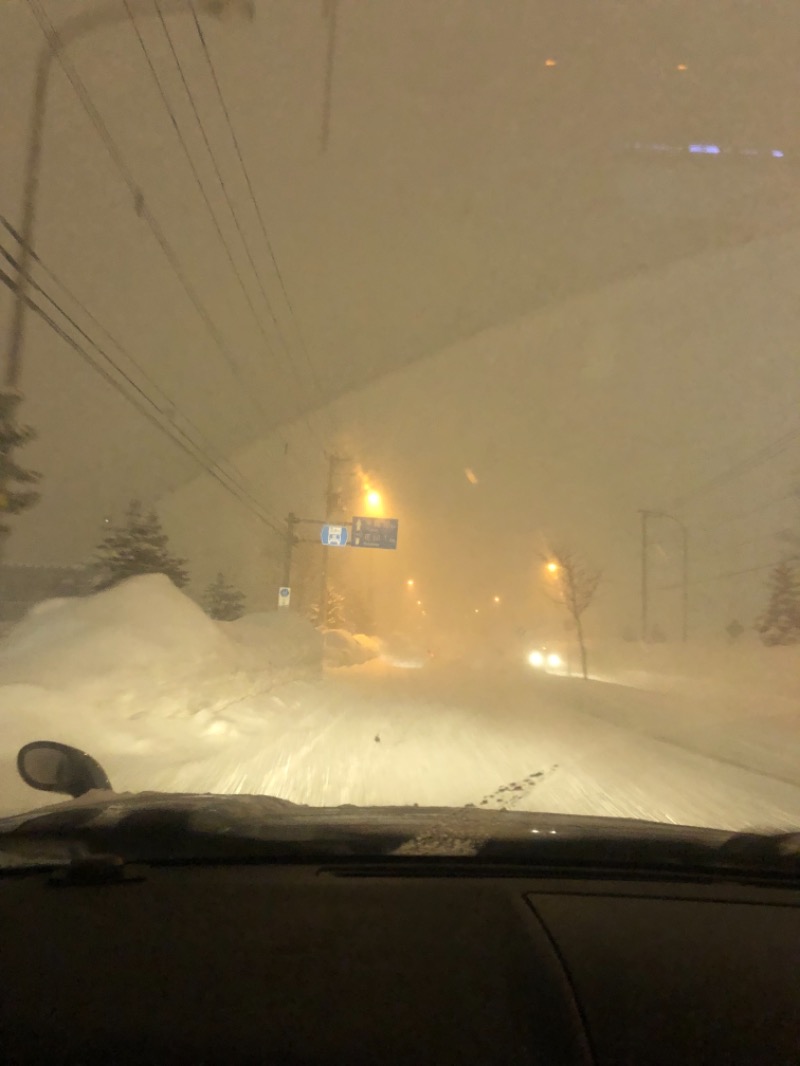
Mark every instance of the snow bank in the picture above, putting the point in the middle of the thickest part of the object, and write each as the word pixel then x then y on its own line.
pixel 140 670
pixel 280 640
pixel 145 623
pixel 732 672
pixel 348 649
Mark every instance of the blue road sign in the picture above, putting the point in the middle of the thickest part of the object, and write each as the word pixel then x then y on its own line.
pixel 334 536
pixel 374 532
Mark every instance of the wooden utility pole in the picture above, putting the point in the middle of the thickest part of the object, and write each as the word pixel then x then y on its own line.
pixel 331 504
pixel 291 540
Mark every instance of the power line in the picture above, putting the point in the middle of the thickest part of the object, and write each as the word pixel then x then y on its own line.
pixel 254 200
pixel 232 209
pixel 751 510
pixel 186 444
pixel 190 161
pixel 54 40
pixel 92 318
pixel 763 455
pixel 720 577
pixel 221 460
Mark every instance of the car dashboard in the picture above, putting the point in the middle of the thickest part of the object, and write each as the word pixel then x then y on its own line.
pixel 413 963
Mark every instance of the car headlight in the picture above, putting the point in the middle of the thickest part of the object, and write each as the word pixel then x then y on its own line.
pixel 536 658
pixel 553 659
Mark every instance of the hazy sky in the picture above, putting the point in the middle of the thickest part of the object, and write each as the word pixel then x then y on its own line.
pixel 486 158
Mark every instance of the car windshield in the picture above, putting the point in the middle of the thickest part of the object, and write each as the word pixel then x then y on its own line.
pixel 399 402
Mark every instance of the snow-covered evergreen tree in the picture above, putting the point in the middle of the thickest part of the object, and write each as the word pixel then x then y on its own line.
pixel 138 546
pixel 223 601
pixel 15 481
pixel 780 622
pixel 334 618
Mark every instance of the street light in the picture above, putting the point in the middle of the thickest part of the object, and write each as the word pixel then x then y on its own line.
pixel 410 582
pixel 552 568
pixel 373 499
pixel 496 599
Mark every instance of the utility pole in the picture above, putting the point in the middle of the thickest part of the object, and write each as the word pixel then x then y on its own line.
pixel 684 571
pixel 331 503
pixel 291 540
pixel 645 515
pixel 685 592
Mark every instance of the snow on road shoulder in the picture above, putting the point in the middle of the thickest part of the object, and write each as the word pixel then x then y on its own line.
pixel 139 672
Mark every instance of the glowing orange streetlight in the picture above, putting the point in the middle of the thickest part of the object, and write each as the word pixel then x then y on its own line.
pixel 410 582
pixel 552 568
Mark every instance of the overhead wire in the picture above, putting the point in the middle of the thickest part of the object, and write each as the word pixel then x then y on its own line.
pixel 51 35
pixel 762 455
pixel 750 511
pixel 182 140
pixel 144 403
pixel 228 200
pixel 110 337
pixel 719 577
pixel 257 208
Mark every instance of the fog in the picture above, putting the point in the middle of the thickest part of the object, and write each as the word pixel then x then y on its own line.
pixel 501 255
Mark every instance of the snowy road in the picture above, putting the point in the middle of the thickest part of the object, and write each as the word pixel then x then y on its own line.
pixel 377 735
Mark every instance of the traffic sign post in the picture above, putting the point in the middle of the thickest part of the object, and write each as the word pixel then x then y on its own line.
pixel 374 532
pixel 334 536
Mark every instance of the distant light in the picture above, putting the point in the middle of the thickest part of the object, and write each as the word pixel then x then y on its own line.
pixel 471 478
pixel 536 658
pixel 496 599
pixel 681 66
pixel 419 603
pixel 373 498
pixel 410 582
pixel 477 610
pixel 553 659
pixel 550 62
pixel 552 568
pixel 704 149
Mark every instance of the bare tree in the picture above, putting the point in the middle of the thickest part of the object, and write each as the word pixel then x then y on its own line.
pixel 575 584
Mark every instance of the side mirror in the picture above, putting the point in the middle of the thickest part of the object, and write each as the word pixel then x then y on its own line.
pixel 53 767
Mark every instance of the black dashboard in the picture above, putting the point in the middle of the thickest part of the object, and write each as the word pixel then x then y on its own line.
pixel 385 964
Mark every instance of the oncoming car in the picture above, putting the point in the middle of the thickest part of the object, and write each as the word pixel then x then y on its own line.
pixel 549 660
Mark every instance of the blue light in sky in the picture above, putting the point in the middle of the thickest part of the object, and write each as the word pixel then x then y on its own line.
pixel 705 149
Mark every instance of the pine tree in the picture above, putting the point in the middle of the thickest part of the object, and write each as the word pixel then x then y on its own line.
pixel 14 498
pixel 780 622
pixel 335 612
pixel 223 601
pixel 138 546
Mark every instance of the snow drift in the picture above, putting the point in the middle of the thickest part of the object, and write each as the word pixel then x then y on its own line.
pixel 347 649
pixel 140 669
pixel 280 640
